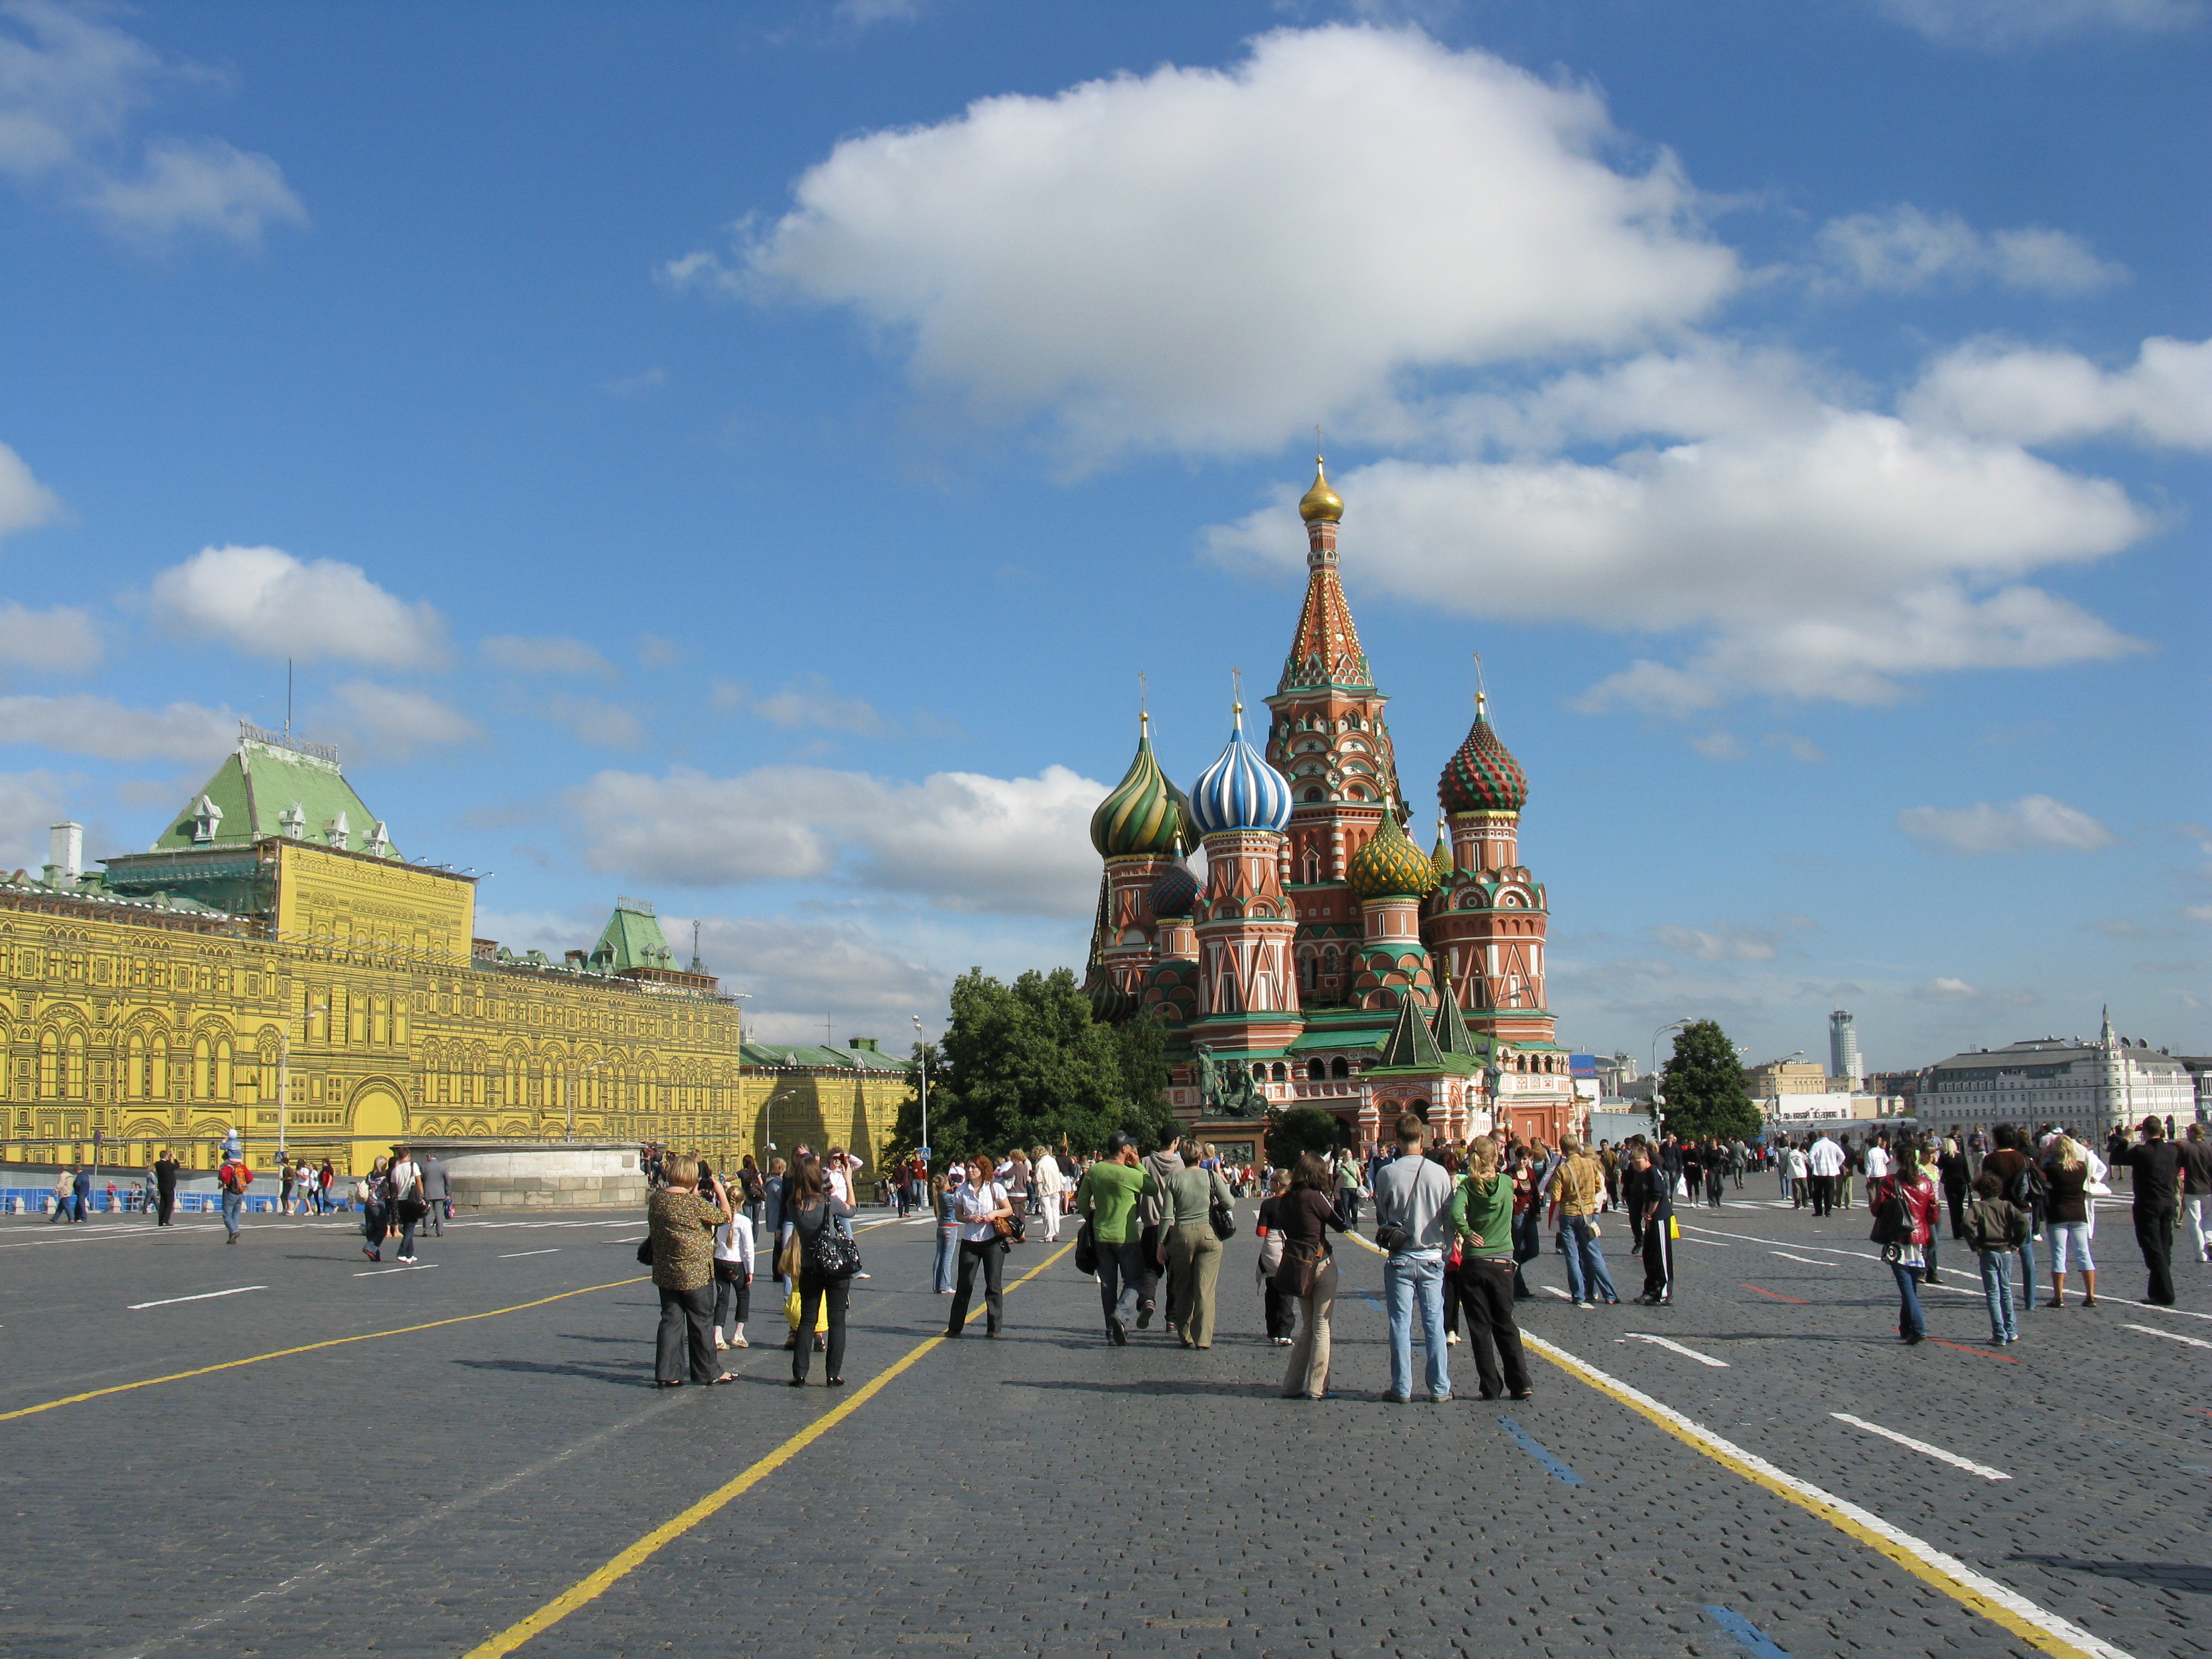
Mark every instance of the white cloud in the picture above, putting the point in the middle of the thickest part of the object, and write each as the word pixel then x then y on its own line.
pixel 811 702
pixel 70 84
pixel 1820 550
pixel 1729 941
pixel 25 503
pixel 263 600
pixel 1720 746
pixel 99 727
pixel 392 723
pixel 1210 259
pixel 2032 824
pixel 798 971
pixel 1799 749
pixel 593 721
pixel 2037 397
pixel 632 386
pixel 60 641
pixel 963 841
pixel 1999 23
pixel 550 654
pixel 1904 249
pixel 29 802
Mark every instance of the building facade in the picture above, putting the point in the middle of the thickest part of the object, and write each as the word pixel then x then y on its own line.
pixel 2088 1087
pixel 1323 959
pixel 274 966
pixel 1843 1050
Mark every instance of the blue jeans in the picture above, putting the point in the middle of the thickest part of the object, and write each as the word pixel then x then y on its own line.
pixel 1997 1289
pixel 1587 1279
pixel 2027 1273
pixel 1909 1322
pixel 1121 1274
pixel 1406 1276
pixel 232 1203
pixel 948 1257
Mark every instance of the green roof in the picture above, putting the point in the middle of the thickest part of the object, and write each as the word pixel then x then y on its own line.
pixel 266 789
pixel 632 939
pixel 821 1055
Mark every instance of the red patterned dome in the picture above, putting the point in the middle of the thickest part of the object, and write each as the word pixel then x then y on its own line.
pixel 1483 776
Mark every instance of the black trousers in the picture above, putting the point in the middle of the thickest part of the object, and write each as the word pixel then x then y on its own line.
pixel 992 1258
pixel 2154 1235
pixel 733 1302
pixel 1956 1197
pixel 168 1201
pixel 687 1331
pixel 1823 1193
pixel 815 1291
pixel 1485 1293
pixel 1658 1259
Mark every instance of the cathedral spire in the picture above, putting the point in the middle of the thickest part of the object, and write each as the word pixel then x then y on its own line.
pixel 1325 651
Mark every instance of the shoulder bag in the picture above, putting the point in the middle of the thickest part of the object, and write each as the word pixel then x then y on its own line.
pixel 1219 1215
pixel 1086 1250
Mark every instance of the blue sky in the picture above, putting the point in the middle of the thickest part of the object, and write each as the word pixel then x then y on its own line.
pixel 745 457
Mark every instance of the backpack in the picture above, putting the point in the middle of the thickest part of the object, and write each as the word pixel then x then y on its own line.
pixel 2027 1190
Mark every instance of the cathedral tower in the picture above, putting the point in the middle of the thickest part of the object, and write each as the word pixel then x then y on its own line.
pixel 1247 995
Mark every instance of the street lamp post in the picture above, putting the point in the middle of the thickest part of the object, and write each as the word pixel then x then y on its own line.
pixel 1658 1099
pixel 922 1037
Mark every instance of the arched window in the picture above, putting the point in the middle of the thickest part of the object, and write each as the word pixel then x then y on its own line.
pixel 1316 1071
pixel 50 1082
pixel 158 1068
pixel 1312 858
pixel 1337 1068
pixel 1313 795
pixel 74 1078
pixel 1328 960
pixel 1282 1074
pixel 202 1085
pixel 220 1087
pixel 1306 973
pixel 134 1069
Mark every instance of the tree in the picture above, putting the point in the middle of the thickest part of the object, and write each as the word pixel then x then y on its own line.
pixel 1027 1064
pixel 1307 1129
pixel 1703 1082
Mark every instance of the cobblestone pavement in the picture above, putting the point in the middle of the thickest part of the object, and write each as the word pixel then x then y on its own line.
pixel 1049 1494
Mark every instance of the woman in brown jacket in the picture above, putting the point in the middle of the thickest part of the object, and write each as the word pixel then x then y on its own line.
pixel 683 1225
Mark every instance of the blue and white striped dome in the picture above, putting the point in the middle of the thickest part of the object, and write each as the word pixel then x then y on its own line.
pixel 1240 791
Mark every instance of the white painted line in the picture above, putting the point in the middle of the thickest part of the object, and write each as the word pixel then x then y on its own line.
pixel 511 1255
pixel 1710 1244
pixel 1807 1260
pixel 1922 1447
pixel 1866 1520
pixel 1676 1347
pixel 204 1295
pixel 2170 1336
pixel 415 1268
pixel 1555 1290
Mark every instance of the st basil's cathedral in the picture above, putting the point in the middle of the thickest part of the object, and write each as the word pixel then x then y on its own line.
pixel 1320 958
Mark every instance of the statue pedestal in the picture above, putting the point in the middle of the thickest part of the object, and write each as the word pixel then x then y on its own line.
pixel 1237 1140
pixel 561 1177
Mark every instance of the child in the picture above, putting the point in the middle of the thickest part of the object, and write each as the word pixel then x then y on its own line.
pixel 733 1278
pixel 1995 1228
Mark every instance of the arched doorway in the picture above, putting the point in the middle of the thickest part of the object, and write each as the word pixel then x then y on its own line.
pixel 377 1119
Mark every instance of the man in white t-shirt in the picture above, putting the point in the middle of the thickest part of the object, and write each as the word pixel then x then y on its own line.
pixel 1877 1160
pixel 1824 1160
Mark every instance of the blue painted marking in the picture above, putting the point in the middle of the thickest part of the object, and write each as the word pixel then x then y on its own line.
pixel 1536 1450
pixel 1755 1641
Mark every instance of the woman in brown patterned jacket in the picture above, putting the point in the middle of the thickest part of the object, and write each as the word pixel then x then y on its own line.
pixel 683 1224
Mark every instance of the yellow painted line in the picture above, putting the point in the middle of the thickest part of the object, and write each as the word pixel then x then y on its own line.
pixel 1975 1591
pixel 312 1347
pixel 595 1584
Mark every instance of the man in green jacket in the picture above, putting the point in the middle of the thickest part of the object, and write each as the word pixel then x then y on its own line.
pixel 1481 1217
pixel 1107 1201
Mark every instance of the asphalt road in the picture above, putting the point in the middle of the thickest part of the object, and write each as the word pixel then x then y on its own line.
pixel 463 1488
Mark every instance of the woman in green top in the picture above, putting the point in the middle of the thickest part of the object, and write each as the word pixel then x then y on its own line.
pixel 1194 1252
pixel 1482 1217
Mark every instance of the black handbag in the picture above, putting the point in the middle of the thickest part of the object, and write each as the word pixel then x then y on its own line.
pixel 1222 1220
pixel 1086 1250
pixel 833 1254
pixel 1391 1237
pixel 645 1251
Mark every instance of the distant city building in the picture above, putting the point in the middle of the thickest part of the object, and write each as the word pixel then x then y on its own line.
pixel 1844 1048
pixel 2200 1074
pixel 1904 1086
pixel 2087 1086
pixel 1787 1077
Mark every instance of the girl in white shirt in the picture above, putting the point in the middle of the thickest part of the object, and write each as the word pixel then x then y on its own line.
pixel 980 1204
pixel 733 1278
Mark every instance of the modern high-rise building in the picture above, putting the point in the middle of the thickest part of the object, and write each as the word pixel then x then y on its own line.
pixel 1843 1050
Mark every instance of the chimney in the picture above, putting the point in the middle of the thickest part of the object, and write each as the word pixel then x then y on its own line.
pixel 64 855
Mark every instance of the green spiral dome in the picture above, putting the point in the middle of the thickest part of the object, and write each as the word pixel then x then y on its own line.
pixel 1143 816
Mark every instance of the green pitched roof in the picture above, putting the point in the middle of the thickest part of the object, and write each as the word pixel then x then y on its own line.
pixel 632 939
pixel 1411 1047
pixel 266 789
pixel 1451 1033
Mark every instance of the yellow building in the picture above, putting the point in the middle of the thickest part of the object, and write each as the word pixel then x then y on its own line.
pixel 274 966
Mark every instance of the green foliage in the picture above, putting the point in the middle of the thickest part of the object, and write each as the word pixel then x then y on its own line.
pixel 1307 1129
pixel 1703 1082
pixel 1028 1065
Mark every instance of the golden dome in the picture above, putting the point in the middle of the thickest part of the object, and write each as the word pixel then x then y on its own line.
pixel 1320 504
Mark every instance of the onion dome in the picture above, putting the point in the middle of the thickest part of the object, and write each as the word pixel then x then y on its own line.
pixel 1174 893
pixel 1441 859
pixel 1240 791
pixel 1483 776
pixel 1110 1003
pixel 1141 815
pixel 1389 866
pixel 1320 504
